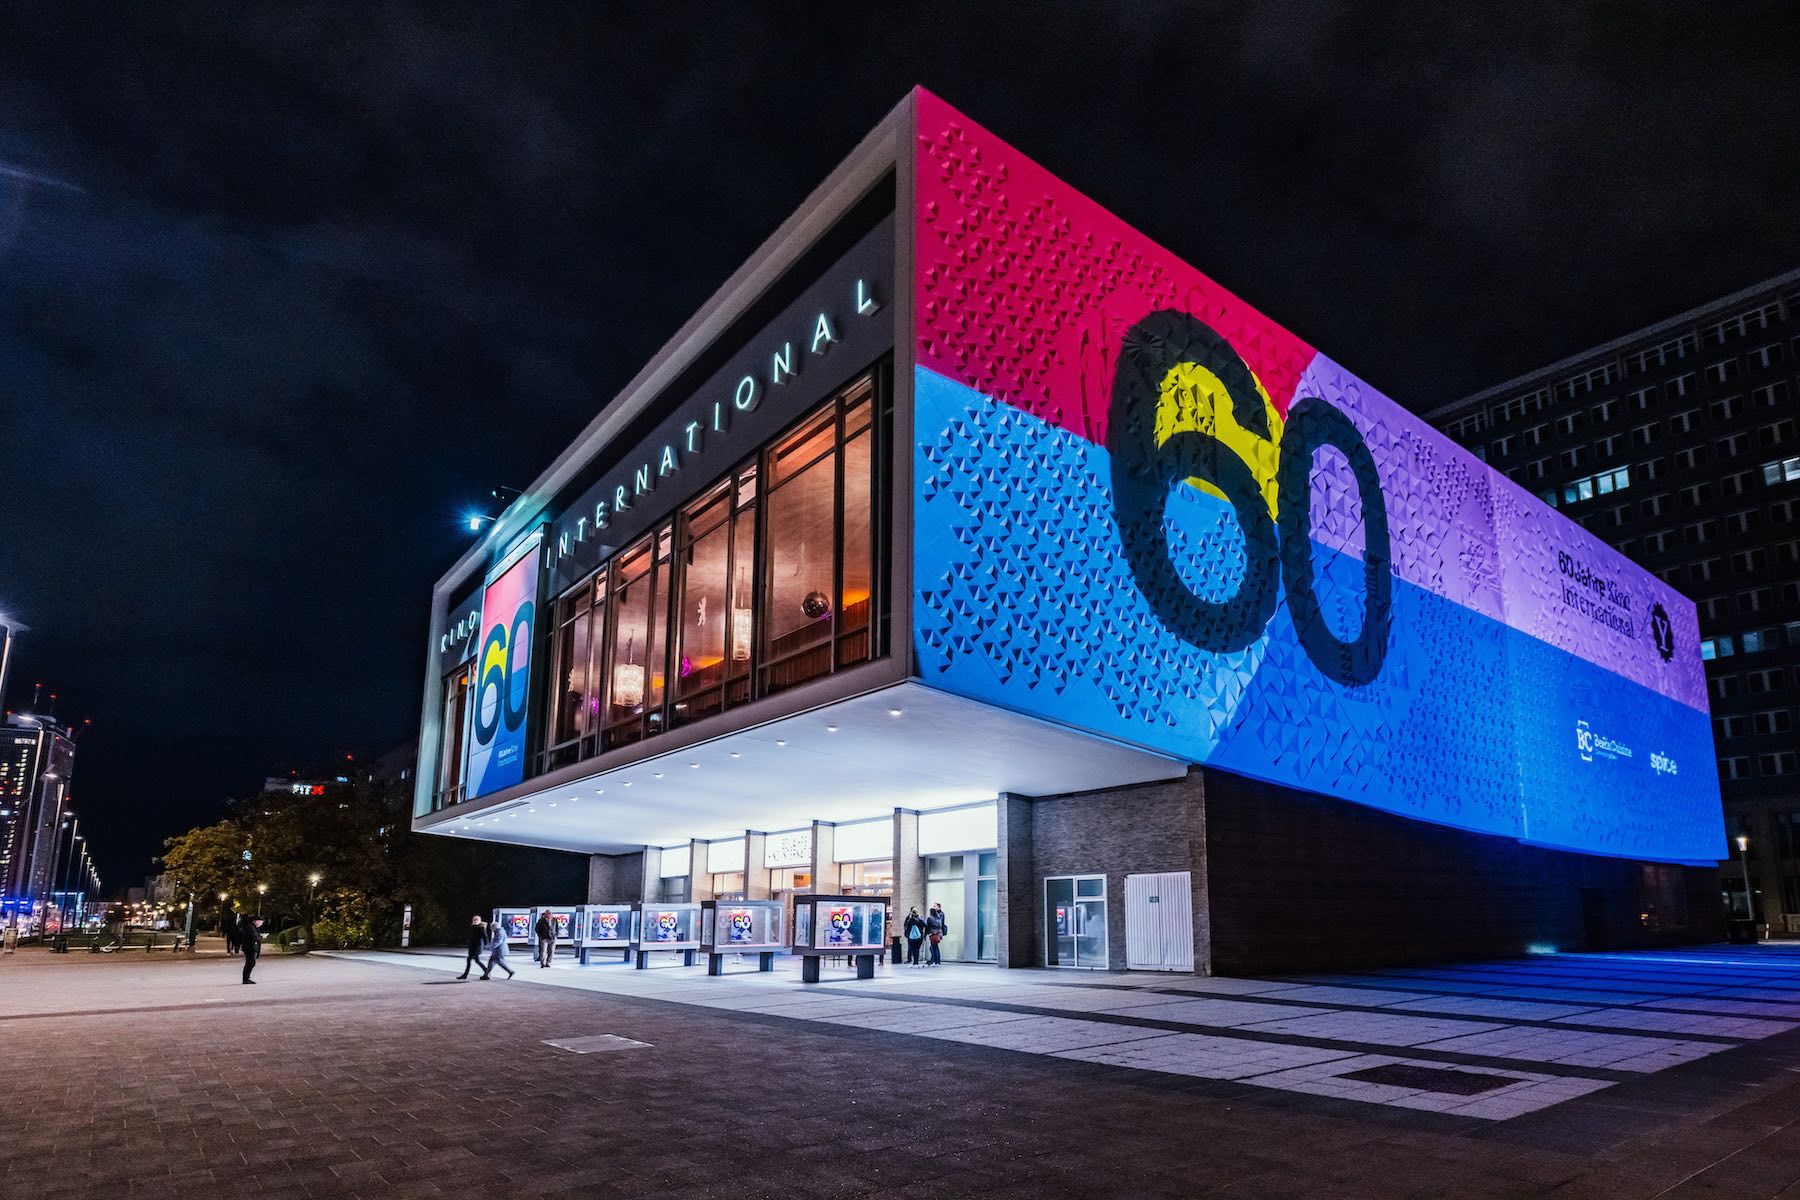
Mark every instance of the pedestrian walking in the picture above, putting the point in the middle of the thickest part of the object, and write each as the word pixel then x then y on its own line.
pixel 477 943
pixel 496 948
pixel 915 935
pixel 546 939
pixel 937 925
pixel 228 925
pixel 250 939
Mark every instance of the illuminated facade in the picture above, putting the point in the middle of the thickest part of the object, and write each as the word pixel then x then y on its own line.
pixel 969 546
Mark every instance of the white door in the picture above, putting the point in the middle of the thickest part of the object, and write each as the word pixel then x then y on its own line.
pixel 1159 922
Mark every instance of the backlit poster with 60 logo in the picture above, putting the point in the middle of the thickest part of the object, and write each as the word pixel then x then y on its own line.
pixel 502 679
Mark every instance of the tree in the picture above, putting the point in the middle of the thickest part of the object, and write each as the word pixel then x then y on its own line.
pixel 207 861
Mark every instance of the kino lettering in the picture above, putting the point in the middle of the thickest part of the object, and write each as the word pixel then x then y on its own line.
pixel 785 364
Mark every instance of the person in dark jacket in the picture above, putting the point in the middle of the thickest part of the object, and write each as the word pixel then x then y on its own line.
pixel 250 934
pixel 546 939
pixel 915 935
pixel 228 925
pixel 477 943
pixel 937 927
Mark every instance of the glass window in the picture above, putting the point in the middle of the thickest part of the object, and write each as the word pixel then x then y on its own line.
pixel 703 617
pixel 858 543
pixel 455 730
pixel 628 650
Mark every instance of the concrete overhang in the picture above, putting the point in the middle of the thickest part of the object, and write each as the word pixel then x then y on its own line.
pixel 906 746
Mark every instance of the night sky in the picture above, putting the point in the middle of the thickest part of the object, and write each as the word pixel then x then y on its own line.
pixel 284 290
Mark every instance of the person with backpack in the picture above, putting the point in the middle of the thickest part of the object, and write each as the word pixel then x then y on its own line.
pixel 937 925
pixel 915 935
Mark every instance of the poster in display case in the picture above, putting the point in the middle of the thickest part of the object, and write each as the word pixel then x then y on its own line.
pixel 741 927
pixel 826 926
pixel 516 923
pixel 668 927
pixel 599 928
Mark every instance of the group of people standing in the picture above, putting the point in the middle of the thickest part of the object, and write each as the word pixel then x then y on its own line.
pixel 243 935
pixel 920 931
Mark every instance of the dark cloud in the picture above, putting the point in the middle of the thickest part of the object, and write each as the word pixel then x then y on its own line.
pixel 325 274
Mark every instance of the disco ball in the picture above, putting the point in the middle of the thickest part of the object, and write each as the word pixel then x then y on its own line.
pixel 816 605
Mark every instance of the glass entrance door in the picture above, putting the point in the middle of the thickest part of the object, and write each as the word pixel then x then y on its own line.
pixel 1075 921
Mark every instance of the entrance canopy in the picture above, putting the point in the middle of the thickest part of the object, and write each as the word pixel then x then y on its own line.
pixel 908 746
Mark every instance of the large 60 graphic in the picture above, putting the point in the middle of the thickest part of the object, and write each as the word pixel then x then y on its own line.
pixel 1277 547
pixel 505 661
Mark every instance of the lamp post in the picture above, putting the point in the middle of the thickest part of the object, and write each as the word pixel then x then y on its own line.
pixel 312 886
pixel 1743 845
pixel 223 897
pixel 262 889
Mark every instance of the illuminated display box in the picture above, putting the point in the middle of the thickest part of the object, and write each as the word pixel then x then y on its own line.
pixel 854 926
pixel 599 927
pixel 741 927
pixel 516 923
pixel 668 927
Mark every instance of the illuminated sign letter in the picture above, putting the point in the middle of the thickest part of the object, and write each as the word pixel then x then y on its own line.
pixel 692 429
pixel 641 482
pixel 866 303
pixel 745 398
pixel 599 514
pixel 822 335
pixel 782 366
pixel 620 502
pixel 668 465
pixel 562 545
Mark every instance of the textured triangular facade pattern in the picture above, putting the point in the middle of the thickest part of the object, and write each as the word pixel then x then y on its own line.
pixel 1492 684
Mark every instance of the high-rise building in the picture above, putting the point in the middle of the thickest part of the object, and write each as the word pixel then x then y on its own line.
pixel 1678 445
pixel 39 842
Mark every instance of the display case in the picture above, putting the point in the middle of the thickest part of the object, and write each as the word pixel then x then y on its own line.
pixel 667 927
pixel 601 929
pixel 516 924
pixel 741 927
pixel 827 926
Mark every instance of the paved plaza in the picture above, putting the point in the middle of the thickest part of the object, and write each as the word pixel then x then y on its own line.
pixel 1674 1074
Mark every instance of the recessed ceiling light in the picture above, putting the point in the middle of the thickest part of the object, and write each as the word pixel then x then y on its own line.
pixel 780 742
pixel 658 774
pixel 628 783
pixel 553 804
pixel 893 712
pixel 599 791
pixel 831 729
pixel 696 766
pixel 735 754
pixel 532 809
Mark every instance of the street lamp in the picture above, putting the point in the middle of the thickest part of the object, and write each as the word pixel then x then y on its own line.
pixel 1743 845
pixel 312 882
pixel 262 889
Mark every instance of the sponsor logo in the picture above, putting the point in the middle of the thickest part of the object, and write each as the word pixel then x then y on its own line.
pixel 1591 745
pixel 1663 631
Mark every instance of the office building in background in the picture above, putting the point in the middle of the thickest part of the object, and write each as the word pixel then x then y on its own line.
pixel 1677 444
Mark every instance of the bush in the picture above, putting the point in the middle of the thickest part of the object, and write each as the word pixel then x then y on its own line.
pixel 289 937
